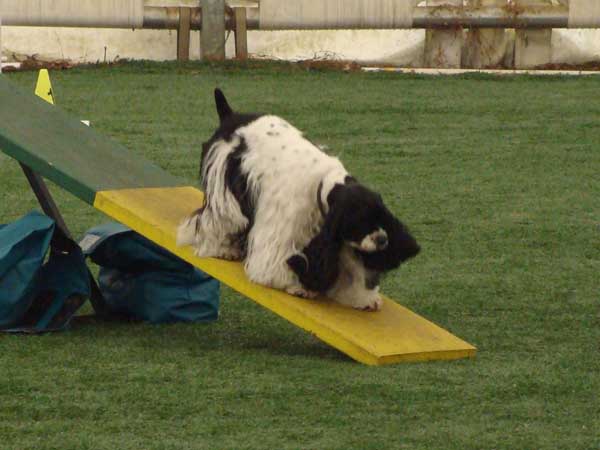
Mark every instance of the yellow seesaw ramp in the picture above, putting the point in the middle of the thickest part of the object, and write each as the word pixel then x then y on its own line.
pixel 391 335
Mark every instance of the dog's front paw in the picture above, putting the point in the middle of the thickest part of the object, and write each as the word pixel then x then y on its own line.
pixel 372 305
pixel 299 291
pixel 231 254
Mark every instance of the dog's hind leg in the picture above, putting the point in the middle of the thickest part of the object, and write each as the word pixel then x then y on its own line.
pixel 188 230
pixel 211 236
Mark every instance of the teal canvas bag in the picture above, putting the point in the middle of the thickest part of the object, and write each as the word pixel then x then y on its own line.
pixel 143 281
pixel 38 292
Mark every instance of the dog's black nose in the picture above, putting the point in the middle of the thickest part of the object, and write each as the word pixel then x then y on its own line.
pixel 381 241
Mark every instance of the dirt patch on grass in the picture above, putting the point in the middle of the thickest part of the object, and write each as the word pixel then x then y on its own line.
pixel 592 65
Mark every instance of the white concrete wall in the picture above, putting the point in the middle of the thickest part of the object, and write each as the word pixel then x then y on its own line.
pixel 575 46
pixel 91 45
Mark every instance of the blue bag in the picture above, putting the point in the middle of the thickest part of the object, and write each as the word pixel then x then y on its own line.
pixel 37 296
pixel 143 281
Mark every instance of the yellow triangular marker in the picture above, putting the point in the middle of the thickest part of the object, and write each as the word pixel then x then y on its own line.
pixel 43 88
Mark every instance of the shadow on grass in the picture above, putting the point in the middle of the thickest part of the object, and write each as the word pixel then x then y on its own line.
pixel 233 334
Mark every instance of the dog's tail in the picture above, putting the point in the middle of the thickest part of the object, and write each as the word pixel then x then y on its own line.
pixel 223 108
pixel 187 232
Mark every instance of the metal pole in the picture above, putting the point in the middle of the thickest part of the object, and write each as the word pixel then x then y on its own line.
pixel 491 17
pixel 423 17
pixel 155 17
pixel 162 17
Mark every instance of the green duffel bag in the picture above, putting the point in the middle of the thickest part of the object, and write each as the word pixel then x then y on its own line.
pixel 143 281
pixel 38 293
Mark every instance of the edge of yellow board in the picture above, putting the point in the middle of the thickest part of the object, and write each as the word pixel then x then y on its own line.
pixel 156 212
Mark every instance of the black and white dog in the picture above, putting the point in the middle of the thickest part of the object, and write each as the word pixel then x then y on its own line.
pixel 292 213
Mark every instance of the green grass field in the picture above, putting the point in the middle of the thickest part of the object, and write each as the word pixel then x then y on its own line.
pixel 498 178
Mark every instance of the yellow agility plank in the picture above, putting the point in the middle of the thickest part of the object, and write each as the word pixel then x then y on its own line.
pixel 391 335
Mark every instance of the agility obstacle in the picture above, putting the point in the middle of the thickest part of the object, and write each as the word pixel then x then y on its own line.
pixel 137 193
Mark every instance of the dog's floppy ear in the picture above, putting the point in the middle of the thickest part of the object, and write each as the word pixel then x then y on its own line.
pixel 223 108
pixel 317 267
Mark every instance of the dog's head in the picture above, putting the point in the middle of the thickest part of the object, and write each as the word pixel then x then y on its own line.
pixel 358 217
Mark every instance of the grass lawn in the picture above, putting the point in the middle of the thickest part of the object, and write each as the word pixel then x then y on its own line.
pixel 499 180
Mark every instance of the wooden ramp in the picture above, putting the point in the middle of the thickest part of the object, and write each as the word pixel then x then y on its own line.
pixel 150 201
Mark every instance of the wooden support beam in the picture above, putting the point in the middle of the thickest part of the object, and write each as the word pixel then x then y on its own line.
pixel 47 203
pixel 241 33
pixel 62 241
pixel 183 34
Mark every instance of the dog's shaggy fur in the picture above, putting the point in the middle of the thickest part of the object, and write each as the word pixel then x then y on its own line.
pixel 292 213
